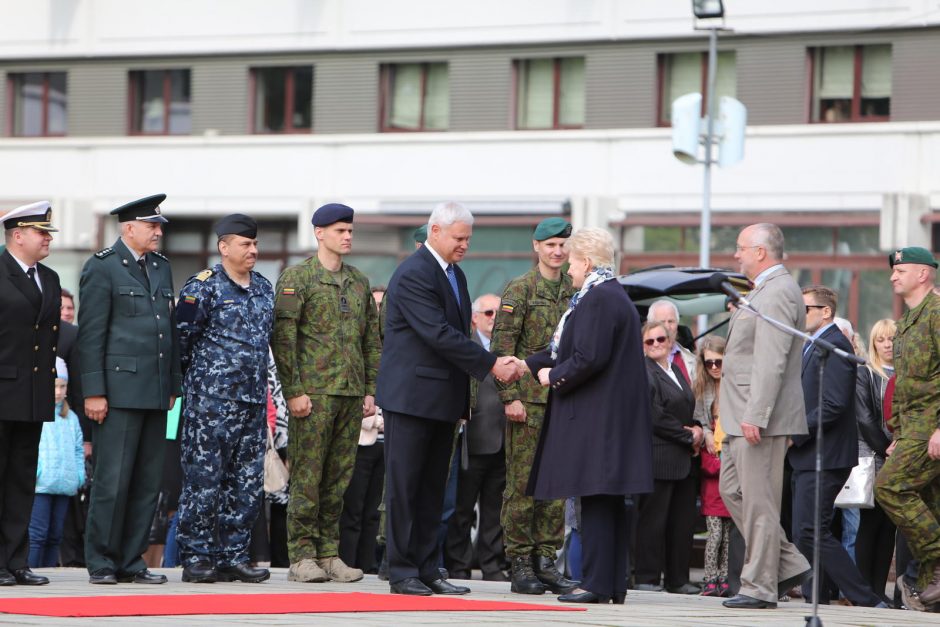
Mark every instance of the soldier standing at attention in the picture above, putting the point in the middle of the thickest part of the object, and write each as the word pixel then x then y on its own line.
pixel 327 349
pixel 130 368
pixel 908 485
pixel 225 318
pixel 531 307
pixel 29 309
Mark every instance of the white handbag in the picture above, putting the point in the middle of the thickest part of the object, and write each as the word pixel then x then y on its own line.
pixel 859 488
pixel 276 474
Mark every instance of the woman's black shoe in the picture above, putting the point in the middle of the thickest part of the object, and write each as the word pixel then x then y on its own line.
pixel 619 599
pixel 583 596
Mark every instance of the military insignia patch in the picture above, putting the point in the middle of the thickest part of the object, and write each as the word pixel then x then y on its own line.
pixel 228 302
pixel 507 308
pixel 101 254
pixel 205 274
pixel 161 256
pixel 189 299
pixel 186 310
pixel 289 291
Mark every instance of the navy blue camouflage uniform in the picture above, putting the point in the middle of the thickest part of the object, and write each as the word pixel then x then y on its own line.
pixel 224 334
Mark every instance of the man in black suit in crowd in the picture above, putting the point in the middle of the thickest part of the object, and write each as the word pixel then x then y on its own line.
pixel 423 388
pixel 839 455
pixel 29 310
pixel 485 474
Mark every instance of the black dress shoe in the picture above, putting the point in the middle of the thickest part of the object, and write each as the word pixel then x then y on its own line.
pixel 442 586
pixel 583 596
pixel 7 578
pixel 141 576
pixel 686 588
pixel 410 585
pixel 784 586
pixel 619 599
pixel 743 601
pixel 26 577
pixel 243 572
pixel 200 572
pixel 103 576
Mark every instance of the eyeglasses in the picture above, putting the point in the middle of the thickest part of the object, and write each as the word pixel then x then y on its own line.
pixel 489 313
pixel 713 363
pixel 655 340
pixel 808 307
pixel 743 248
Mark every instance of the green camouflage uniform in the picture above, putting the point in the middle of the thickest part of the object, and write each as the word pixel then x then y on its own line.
pixel 908 485
pixel 326 345
pixel 529 312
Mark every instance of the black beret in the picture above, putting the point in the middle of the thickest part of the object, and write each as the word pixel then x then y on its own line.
pixel 237 224
pixel 144 209
pixel 333 212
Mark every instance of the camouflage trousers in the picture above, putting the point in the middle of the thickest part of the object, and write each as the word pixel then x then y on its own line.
pixel 322 453
pixel 222 453
pixel 530 527
pixel 908 489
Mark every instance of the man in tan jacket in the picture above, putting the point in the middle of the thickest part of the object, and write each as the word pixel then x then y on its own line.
pixel 761 407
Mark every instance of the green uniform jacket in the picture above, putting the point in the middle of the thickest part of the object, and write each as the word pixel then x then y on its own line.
pixel 127 338
pixel 915 410
pixel 326 333
pixel 526 320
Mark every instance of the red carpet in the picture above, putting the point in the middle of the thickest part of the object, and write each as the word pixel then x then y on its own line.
pixel 310 603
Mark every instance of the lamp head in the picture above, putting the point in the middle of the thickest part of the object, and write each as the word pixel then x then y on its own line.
pixel 708 8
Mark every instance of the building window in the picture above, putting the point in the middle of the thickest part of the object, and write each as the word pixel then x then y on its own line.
pixel 687 72
pixel 415 97
pixel 160 102
pixel 851 84
pixel 283 100
pixel 38 104
pixel 550 93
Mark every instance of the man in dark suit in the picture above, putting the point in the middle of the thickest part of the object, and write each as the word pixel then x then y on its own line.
pixel 29 308
pixel 424 389
pixel 839 455
pixel 484 478
pixel 130 361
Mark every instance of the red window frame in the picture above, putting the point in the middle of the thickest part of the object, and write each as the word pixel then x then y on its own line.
pixel 132 114
pixel 661 62
pixel 289 87
pixel 12 90
pixel 855 113
pixel 556 95
pixel 386 83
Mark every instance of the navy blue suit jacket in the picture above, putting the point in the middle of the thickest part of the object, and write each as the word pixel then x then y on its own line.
pixel 427 353
pixel 840 431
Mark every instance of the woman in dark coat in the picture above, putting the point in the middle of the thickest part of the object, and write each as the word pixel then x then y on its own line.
pixel 667 516
pixel 596 438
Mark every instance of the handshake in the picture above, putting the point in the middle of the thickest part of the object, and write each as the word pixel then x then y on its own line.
pixel 509 369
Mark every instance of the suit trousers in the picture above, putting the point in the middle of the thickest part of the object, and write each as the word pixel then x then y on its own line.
pixel 485 478
pixel 874 546
pixel 751 485
pixel 128 456
pixel 835 563
pixel 359 522
pixel 664 532
pixel 417 456
pixel 605 543
pixel 19 454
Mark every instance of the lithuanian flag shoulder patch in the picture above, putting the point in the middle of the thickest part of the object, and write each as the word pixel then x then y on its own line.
pixel 507 308
pixel 288 291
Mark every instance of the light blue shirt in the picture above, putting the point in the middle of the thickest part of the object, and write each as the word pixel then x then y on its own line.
pixel 484 340
pixel 763 275
pixel 817 334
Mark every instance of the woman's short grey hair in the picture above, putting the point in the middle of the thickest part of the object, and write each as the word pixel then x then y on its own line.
pixel 447 213
pixel 594 244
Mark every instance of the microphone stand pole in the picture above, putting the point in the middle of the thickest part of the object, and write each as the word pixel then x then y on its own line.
pixel 825 349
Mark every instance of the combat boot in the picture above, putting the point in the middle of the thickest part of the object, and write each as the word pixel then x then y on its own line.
pixel 524 580
pixel 307 571
pixel 548 574
pixel 931 592
pixel 337 570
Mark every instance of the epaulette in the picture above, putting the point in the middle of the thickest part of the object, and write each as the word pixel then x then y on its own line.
pixel 202 276
pixel 104 252
pixel 161 256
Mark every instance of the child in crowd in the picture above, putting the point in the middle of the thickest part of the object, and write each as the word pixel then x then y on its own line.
pixel 59 475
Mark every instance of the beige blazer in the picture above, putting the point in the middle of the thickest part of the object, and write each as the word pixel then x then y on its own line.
pixel 760 378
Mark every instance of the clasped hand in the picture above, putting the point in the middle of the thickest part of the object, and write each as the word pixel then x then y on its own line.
pixel 509 369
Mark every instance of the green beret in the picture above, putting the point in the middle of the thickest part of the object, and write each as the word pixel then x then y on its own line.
pixel 912 254
pixel 552 227
pixel 421 234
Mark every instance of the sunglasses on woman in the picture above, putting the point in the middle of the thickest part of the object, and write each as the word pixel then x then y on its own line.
pixel 655 340
pixel 713 363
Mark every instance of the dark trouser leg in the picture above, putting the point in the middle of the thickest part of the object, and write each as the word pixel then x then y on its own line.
pixel 651 532
pixel 278 530
pixel 604 539
pixel 458 553
pixel 736 549
pixel 242 492
pixel 680 523
pixel 490 552
pixel 359 508
pixel 874 546
pixel 19 453
pixel 365 555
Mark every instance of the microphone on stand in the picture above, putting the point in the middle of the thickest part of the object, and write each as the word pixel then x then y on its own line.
pixel 721 283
